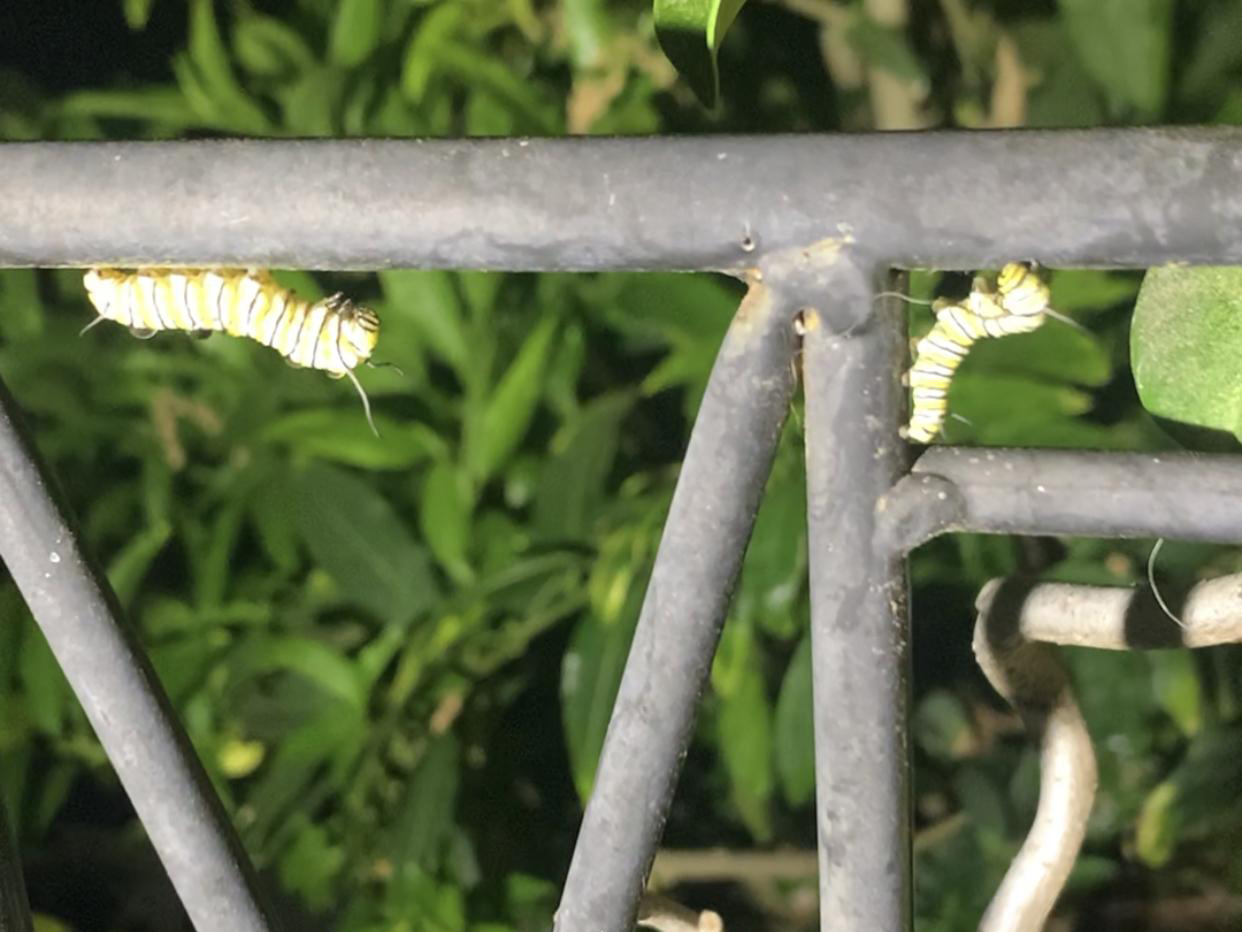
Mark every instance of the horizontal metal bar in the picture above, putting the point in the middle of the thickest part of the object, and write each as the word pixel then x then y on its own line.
pixel 121 695
pixel 1123 197
pixel 1188 496
pixel 709 523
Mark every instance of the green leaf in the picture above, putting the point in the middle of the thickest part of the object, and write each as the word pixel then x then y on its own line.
pixel 885 47
pixel 46 689
pixel 1177 688
pixel 213 83
pixel 571 486
pixel 1056 352
pixel 587 31
pixel 311 864
pixel 590 675
pixel 744 727
pixel 439 26
pixel 1185 343
pixel 137 13
pixel 265 46
pixel 340 436
pixel 690 32
pixel 353 533
pixel 795 729
pixel 314 660
pixel 1125 47
pixel 510 409
pixel 425 818
pixel 130 565
pixel 355 31
pixel 166 106
pixel 429 298
pixel 444 510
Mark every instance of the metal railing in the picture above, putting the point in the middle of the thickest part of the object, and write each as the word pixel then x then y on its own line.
pixel 811 222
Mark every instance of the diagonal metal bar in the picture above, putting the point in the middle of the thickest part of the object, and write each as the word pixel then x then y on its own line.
pixel 1191 496
pixel 709 523
pixel 859 617
pixel 1134 197
pixel 121 695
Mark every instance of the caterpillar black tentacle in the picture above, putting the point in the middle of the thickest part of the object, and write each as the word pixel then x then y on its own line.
pixel 334 334
pixel 1018 304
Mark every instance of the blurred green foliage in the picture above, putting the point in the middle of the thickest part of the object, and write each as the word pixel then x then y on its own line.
pixel 397 656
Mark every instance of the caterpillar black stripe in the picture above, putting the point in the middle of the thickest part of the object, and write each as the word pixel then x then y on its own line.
pixel 1018 304
pixel 334 334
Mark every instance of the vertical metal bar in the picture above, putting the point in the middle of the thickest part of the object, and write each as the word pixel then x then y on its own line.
pixel 121 695
pixel 709 523
pixel 14 907
pixel 859 617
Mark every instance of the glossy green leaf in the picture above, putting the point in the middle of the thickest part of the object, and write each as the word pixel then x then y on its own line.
pixel 353 533
pixel 795 729
pixel 1185 343
pixel 355 31
pixel 444 511
pixel 690 32
pixel 509 411
pixel 1125 46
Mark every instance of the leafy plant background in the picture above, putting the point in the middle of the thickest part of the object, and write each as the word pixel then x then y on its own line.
pixel 397 656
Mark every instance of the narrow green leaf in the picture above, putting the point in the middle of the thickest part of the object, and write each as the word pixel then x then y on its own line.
pixel 166 106
pixel 137 13
pixel 1185 343
pixel 425 819
pixel 511 407
pixel 690 32
pixel 355 31
pixel 314 660
pixel 47 691
pixel 266 46
pixel 886 48
pixel 590 675
pixel 587 30
pixel 130 565
pixel 429 298
pixel 1125 47
pixel 436 28
pixel 209 59
pixel 571 486
pixel 352 532
pixel 795 730
pixel 744 736
pixel 341 436
pixel 445 508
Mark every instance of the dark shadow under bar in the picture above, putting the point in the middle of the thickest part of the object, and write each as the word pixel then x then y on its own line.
pixel 121 696
pixel 1188 496
pixel 859 621
pixel 1131 197
pixel 709 523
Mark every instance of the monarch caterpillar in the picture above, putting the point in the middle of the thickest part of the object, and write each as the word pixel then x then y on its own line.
pixel 1018 304
pixel 333 334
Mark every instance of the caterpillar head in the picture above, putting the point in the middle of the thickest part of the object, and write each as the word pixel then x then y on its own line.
pixel 359 331
pixel 1022 292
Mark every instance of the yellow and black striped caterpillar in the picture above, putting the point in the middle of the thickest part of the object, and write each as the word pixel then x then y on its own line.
pixel 1018 304
pixel 334 334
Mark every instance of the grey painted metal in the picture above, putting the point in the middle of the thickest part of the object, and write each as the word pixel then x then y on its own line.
pixel 14 907
pixel 120 694
pixel 859 619
pixel 709 523
pixel 1133 197
pixel 1190 496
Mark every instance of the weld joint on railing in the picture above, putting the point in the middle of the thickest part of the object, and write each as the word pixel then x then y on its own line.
pixel 919 506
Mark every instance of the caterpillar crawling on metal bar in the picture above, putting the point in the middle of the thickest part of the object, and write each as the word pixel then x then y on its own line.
pixel 334 334
pixel 1018 304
